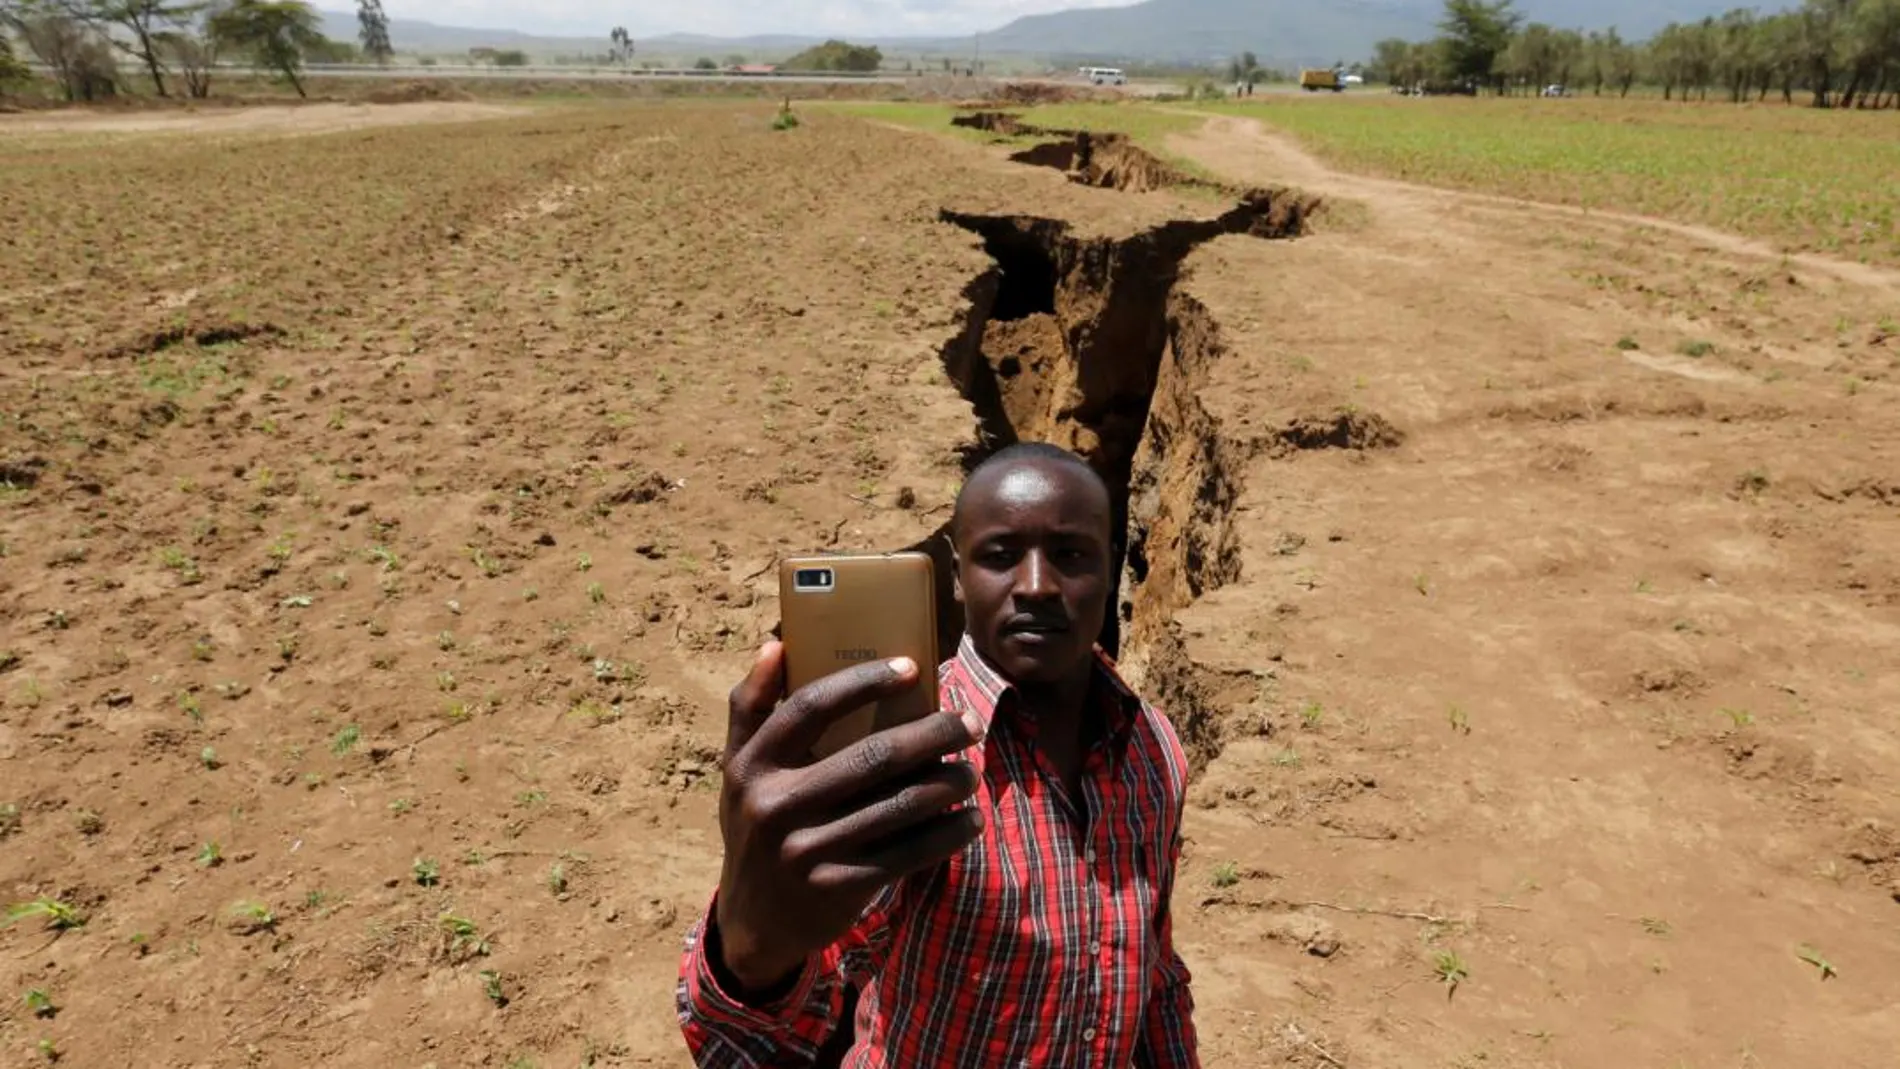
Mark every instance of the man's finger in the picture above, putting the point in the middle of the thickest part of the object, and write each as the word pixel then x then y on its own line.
pixel 861 768
pixel 751 702
pixel 918 848
pixel 787 737
pixel 872 819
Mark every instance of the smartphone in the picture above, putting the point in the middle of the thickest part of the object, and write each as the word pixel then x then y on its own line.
pixel 837 612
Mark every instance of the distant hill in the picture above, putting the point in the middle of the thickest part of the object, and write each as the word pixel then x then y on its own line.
pixel 1278 31
pixel 1305 31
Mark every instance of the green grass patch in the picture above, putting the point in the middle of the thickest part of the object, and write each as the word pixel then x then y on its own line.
pixel 1808 180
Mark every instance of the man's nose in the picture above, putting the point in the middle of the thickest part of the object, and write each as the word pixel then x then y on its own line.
pixel 1036 578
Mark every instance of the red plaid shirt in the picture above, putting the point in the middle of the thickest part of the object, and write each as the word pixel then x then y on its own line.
pixel 1047 942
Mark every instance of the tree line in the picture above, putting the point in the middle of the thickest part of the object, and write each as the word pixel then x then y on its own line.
pixel 1841 53
pixel 177 43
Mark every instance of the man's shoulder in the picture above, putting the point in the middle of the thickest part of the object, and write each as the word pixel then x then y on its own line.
pixel 1154 733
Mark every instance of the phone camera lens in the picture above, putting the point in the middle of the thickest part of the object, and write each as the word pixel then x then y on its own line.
pixel 814 579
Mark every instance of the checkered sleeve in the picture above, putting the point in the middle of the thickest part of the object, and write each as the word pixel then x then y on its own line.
pixel 725 1032
pixel 1168 1039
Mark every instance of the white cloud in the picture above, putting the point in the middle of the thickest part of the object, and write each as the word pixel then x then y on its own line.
pixel 734 18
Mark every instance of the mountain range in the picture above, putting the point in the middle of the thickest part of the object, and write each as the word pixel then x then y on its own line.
pixel 1199 31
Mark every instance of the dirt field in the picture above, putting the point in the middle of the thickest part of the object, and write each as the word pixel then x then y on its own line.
pixel 385 515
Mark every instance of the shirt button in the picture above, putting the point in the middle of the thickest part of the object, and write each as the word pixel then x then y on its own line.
pixel 1088 1035
pixel 1095 947
pixel 1091 855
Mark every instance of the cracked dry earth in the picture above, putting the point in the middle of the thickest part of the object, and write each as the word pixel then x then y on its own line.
pixel 410 564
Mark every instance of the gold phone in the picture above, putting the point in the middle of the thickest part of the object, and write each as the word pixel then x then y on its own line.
pixel 837 612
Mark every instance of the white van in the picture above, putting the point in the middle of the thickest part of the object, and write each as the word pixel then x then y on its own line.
pixel 1105 75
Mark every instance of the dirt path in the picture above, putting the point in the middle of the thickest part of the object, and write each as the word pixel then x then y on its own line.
pixel 1543 629
pixel 1245 149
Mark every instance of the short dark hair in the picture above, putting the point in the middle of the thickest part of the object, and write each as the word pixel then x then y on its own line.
pixel 1027 452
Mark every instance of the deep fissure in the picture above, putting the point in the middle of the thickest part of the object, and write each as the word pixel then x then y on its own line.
pixel 1068 341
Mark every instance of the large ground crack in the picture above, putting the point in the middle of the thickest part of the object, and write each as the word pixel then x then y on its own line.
pixel 1083 342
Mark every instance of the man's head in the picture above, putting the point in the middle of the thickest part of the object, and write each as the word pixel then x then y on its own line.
pixel 1033 535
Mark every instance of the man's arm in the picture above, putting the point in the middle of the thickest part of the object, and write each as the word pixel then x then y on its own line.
pixel 727 1028
pixel 1168 1039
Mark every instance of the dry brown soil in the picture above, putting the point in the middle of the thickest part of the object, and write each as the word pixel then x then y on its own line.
pixel 394 507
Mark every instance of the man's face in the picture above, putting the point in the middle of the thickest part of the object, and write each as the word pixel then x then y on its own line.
pixel 1033 569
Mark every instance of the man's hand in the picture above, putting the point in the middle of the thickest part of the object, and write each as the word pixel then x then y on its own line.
pixel 810 843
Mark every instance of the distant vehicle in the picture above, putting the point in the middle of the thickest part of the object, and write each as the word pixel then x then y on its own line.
pixel 1354 79
pixel 1315 80
pixel 1555 91
pixel 1104 75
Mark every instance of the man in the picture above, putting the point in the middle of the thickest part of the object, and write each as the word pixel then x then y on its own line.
pixel 1007 907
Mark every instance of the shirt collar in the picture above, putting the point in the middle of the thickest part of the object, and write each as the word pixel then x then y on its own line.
pixel 1115 699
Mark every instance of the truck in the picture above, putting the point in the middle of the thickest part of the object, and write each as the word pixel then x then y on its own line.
pixel 1313 80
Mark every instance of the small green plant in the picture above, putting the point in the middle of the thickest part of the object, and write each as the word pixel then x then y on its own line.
pixel 596 593
pixel 202 649
pixel 9 819
pixel 1460 721
pixel 1696 349
pixel 401 806
pixel 557 879
pixel 1754 481
pixel 1655 926
pixel 427 872
pixel 530 799
pixel 175 559
pixel 254 916
pixel 1813 957
pixel 40 1004
pixel 346 740
pixel 1226 874
pixel 1313 714
pixel 189 703
pixel 465 939
pixel 49 1050
pixel 211 856
pixel 585 563
pixel 445 641
pixel 59 915
pixel 1287 758
pixel 87 822
pixel 491 986
pixel 1450 970
pixel 490 566
pixel 785 119
pixel 208 757
pixel 1627 344
pixel 445 682
pixel 1741 718
pixel 1422 584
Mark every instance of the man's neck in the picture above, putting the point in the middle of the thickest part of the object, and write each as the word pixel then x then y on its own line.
pixel 1059 708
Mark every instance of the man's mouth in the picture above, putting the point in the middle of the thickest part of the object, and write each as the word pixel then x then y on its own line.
pixel 1025 625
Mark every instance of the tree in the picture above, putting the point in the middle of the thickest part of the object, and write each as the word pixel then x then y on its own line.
pixel 1476 34
pixel 373 31
pixel 11 69
pixel 836 55
pixel 79 56
pixel 275 33
pixel 1245 69
pixel 145 22
pixel 193 50
pixel 622 50
pixel 705 63
pixel 511 57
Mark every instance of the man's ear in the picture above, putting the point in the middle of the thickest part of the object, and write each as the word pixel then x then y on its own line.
pixel 956 570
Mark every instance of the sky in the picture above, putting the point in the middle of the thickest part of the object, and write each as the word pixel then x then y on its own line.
pixel 728 18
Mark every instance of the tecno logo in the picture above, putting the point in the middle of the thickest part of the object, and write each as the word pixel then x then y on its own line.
pixel 857 655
